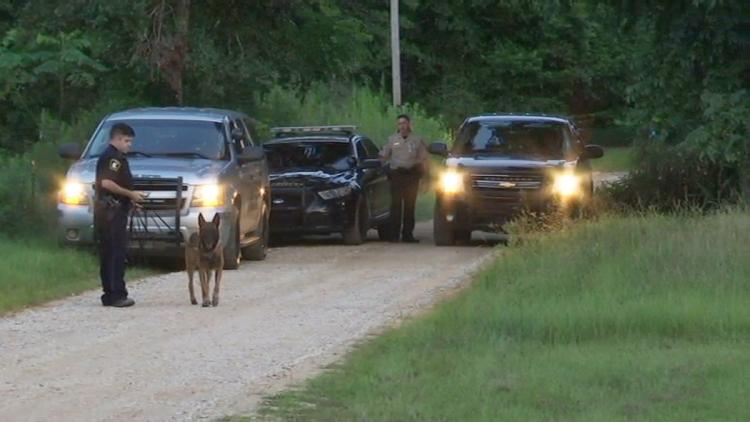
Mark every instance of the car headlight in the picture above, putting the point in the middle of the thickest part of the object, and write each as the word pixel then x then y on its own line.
pixel 567 185
pixel 208 196
pixel 73 193
pixel 451 182
pixel 335 193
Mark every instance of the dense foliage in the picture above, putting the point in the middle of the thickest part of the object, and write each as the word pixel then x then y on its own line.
pixel 672 75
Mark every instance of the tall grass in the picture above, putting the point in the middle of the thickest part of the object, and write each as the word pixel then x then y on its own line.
pixel 641 317
pixel 368 109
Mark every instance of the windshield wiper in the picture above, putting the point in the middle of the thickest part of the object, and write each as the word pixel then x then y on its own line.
pixel 185 154
pixel 141 153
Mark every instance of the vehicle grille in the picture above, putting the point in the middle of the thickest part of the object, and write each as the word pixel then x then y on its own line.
pixel 507 181
pixel 162 193
pixel 286 184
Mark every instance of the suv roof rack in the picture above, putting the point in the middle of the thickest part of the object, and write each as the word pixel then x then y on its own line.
pixel 290 130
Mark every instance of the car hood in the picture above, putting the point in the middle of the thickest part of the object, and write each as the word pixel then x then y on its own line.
pixel 314 178
pixel 192 171
pixel 488 163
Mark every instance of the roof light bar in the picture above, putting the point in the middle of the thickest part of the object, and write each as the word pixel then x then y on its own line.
pixel 312 129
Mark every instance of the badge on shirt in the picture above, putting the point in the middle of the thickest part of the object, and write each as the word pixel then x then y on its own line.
pixel 114 164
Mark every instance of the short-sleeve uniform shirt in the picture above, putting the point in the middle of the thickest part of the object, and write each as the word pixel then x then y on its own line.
pixel 405 153
pixel 113 165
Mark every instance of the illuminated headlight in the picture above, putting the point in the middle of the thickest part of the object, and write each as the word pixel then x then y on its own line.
pixel 335 193
pixel 73 193
pixel 567 185
pixel 208 196
pixel 451 182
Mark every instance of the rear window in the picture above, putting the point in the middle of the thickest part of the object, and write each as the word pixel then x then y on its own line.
pixel 186 138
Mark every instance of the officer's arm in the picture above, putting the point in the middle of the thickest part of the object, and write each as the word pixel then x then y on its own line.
pixel 116 189
pixel 385 153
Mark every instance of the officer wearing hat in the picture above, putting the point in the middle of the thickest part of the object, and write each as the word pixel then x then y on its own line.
pixel 114 199
pixel 406 155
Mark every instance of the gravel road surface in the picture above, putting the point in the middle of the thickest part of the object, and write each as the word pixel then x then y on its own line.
pixel 279 322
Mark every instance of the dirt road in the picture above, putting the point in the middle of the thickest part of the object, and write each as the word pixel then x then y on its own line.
pixel 278 322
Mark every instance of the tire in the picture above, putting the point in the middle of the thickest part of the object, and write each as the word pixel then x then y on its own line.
pixel 384 231
pixel 462 236
pixel 258 250
pixel 356 233
pixel 232 250
pixel 442 230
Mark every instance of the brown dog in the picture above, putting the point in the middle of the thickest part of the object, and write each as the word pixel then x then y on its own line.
pixel 203 252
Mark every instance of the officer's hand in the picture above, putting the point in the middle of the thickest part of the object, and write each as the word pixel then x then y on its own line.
pixel 136 196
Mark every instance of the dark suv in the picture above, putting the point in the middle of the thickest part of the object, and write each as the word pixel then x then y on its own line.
pixel 327 179
pixel 500 165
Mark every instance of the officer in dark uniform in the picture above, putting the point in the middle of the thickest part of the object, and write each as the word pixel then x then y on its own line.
pixel 114 199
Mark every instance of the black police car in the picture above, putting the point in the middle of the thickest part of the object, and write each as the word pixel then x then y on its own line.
pixel 500 165
pixel 326 179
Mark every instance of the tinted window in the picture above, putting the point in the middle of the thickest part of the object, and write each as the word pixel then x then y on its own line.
pixel 546 140
pixel 372 150
pixel 361 151
pixel 192 139
pixel 307 155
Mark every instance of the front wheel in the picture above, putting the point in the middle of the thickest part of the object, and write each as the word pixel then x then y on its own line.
pixel 232 249
pixel 356 233
pixel 442 230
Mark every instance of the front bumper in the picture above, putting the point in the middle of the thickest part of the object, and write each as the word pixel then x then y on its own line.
pixel 302 211
pixel 75 227
pixel 488 211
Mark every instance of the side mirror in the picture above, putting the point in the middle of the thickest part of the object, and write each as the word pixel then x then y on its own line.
pixel 237 134
pixel 370 163
pixel 592 151
pixel 438 148
pixel 251 154
pixel 69 151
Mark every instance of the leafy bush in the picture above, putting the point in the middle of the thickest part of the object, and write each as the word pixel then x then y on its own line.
pixel 709 168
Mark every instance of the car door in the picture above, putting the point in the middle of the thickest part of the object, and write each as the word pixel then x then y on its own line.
pixel 381 193
pixel 249 182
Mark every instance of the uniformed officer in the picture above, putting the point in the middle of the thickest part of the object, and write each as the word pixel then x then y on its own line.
pixel 406 155
pixel 114 199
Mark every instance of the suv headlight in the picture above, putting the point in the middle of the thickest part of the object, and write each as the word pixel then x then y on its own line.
pixel 208 196
pixel 73 193
pixel 451 182
pixel 567 185
pixel 335 193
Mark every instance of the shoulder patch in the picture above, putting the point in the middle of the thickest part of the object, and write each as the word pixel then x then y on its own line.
pixel 114 164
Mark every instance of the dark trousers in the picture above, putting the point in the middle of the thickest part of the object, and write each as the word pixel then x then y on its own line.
pixel 404 189
pixel 113 240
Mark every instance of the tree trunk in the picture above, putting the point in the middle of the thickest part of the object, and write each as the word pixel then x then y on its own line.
pixel 182 25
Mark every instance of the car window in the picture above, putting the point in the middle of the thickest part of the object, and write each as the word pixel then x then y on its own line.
pixel 361 151
pixel 536 139
pixel 249 134
pixel 178 138
pixel 372 150
pixel 309 155
pixel 239 145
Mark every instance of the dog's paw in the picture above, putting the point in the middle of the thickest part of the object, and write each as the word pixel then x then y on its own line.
pixel 206 304
pixel 215 301
pixel 193 301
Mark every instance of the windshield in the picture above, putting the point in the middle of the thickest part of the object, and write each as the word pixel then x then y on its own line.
pixel 546 140
pixel 178 138
pixel 326 155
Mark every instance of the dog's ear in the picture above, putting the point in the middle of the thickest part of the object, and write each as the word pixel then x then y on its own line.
pixel 201 220
pixel 217 219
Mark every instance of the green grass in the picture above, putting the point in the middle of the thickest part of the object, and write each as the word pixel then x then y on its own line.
pixel 35 271
pixel 615 159
pixel 643 318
